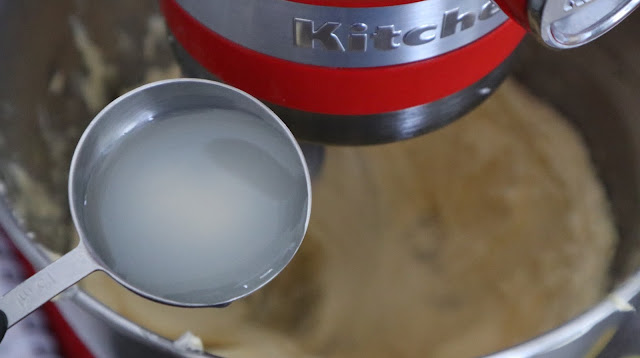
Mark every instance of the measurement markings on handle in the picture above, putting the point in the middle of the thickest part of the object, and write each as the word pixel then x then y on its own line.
pixel 42 284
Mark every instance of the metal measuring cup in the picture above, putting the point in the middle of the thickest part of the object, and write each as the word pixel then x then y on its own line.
pixel 132 111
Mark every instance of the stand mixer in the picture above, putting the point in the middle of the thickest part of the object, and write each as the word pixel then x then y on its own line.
pixel 370 71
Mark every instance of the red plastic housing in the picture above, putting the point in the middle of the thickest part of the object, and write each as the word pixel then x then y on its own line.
pixel 517 10
pixel 342 91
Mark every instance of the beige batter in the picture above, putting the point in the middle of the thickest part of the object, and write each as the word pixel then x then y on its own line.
pixel 454 244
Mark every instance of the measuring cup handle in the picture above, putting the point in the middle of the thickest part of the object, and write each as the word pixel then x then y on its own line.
pixel 44 285
pixel 3 325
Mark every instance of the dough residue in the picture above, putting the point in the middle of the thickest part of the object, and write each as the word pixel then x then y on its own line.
pixel 455 244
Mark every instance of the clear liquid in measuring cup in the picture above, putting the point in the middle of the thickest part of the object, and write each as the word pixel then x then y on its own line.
pixel 218 182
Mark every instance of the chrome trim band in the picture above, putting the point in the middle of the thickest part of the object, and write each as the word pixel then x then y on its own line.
pixel 368 129
pixel 348 37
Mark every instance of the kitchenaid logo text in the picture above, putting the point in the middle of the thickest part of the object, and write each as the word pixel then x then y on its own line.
pixel 307 34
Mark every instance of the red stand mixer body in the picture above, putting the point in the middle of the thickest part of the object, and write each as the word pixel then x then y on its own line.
pixel 372 71
pixel 349 72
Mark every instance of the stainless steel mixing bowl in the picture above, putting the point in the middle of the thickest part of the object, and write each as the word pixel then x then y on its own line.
pixel 44 79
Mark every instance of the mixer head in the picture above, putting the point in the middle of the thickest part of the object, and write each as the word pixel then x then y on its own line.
pixel 366 71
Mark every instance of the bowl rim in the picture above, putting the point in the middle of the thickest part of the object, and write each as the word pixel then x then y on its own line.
pixel 574 338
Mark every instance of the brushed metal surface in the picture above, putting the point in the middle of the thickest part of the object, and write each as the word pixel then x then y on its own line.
pixel 319 35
